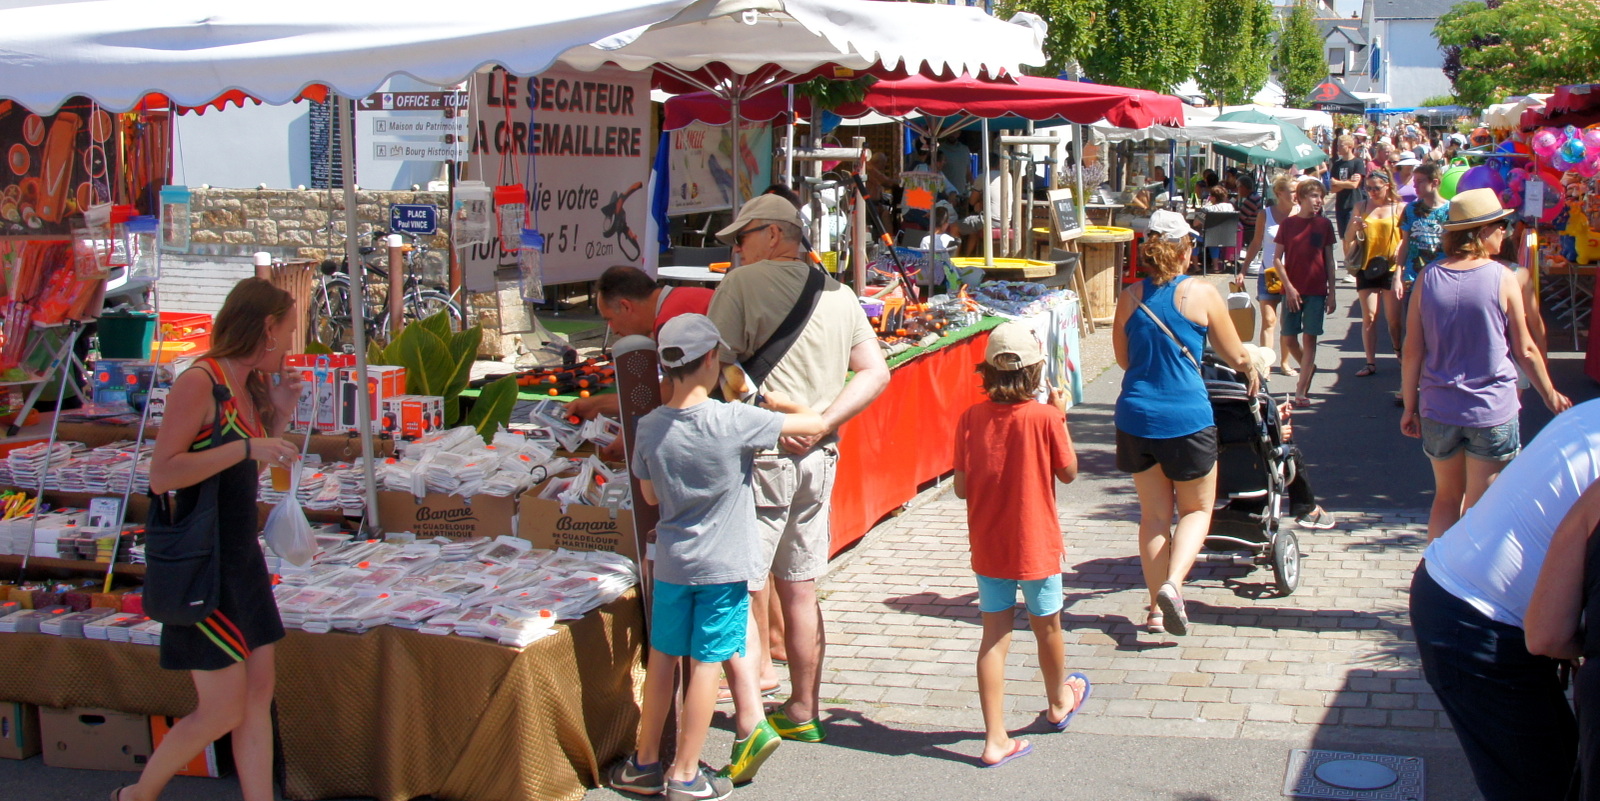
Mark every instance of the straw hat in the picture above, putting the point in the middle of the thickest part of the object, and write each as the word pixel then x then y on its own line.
pixel 1473 208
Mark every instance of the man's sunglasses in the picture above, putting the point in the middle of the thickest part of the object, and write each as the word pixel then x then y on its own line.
pixel 738 237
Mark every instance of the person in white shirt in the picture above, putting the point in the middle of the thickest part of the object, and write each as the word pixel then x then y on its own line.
pixel 1470 601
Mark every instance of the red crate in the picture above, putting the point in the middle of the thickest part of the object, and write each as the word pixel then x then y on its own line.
pixel 187 327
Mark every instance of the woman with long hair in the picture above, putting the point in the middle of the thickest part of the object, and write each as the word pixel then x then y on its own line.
pixel 1273 214
pixel 1459 388
pixel 1377 223
pixel 224 418
pixel 1166 434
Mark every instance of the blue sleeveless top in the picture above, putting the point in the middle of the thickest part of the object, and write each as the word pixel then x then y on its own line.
pixel 1163 395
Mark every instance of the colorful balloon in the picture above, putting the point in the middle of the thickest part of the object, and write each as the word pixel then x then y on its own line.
pixel 1572 151
pixel 1481 177
pixel 1588 168
pixel 1591 140
pixel 1546 142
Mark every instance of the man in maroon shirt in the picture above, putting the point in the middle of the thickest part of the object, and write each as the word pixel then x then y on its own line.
pixel 632 303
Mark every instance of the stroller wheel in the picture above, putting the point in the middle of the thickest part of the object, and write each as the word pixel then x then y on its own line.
pixel 1286 562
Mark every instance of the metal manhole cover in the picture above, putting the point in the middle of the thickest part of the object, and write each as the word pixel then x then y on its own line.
pixel 1345 776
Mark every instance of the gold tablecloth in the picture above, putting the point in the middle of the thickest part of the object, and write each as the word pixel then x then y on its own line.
pixel 394 714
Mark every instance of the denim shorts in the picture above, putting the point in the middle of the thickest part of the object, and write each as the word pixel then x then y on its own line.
pixel 1042 596
pixel 1309 320
pixel 1492 444
pixel 705 622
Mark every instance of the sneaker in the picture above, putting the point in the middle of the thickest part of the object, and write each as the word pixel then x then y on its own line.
pixel 810 731
pixel 1318 518
pixel 629 776
pixel 749 753
pixel 707 786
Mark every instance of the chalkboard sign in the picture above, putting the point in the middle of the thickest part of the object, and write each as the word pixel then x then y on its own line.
pixel 1064 215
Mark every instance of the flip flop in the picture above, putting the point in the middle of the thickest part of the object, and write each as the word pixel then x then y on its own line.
pixel 1288 371
pixel 1369 369
pixel 1088 690
pixel 1019 748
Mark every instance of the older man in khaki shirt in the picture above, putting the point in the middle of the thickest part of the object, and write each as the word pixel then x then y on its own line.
pixel 793 488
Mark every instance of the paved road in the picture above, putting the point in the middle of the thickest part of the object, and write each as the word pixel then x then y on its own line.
pixel 1209 718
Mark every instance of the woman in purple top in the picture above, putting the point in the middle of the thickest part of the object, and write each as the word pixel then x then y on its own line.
pixel 1459 385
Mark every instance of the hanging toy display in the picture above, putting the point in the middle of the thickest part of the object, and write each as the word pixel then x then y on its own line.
pixel 510 210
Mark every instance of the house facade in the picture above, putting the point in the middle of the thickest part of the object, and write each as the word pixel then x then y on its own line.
pixel 1386 49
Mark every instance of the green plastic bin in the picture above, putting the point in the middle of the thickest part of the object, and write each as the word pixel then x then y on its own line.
pixel 127 336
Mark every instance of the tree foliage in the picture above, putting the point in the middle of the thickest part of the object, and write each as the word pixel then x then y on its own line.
pixel 1300 61
pixel 1147 44
pixel 1232 74
pixel 1512 47
pixel 1072 28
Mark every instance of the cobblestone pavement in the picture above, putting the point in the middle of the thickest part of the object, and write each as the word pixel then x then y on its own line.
pixel 903 631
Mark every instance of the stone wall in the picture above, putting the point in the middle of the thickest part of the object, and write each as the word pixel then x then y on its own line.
pixel 305 224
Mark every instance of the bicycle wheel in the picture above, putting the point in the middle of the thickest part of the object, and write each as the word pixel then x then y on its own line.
pixel 330 313
pixel 424 303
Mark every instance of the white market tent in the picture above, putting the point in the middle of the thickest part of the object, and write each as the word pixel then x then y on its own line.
pixel 1197 131
pixel 1509 113
pixel 1302 118
pixel 118 51
pixel 1270 94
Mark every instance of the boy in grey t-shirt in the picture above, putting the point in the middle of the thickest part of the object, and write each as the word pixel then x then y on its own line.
pixel 694 457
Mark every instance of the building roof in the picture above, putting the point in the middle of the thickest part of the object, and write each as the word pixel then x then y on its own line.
pixel 1351 28
pixel 1411 9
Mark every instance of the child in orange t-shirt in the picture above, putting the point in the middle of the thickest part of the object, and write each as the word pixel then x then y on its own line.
pixel 1010 451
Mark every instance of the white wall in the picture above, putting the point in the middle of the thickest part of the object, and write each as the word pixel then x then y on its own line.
pixel 1414 67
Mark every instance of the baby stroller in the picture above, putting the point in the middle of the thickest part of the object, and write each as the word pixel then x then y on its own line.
pixel 1255 467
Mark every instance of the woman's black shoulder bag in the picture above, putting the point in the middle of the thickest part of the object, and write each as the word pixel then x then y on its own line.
pixel 183 564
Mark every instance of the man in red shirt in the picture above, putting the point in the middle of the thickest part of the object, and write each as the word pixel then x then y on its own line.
pixel 631 302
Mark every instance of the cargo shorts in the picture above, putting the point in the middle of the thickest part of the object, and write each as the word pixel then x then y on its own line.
pixel 793 504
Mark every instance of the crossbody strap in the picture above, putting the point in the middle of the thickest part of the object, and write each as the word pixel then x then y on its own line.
pixel 766 357
pixel 1163 326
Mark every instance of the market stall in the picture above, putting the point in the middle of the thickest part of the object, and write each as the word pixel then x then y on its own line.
pixel 512 577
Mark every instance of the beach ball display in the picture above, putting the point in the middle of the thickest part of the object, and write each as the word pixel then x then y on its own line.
pixel 1546 142
pixel 1481 177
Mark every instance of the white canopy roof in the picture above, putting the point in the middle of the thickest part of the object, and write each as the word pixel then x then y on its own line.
pixel 1509 113
pixel 798 36
pixel 1270 94
pixel 116 51
pixel 1243 134
pixel 1302 118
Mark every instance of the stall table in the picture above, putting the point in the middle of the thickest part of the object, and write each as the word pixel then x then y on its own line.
pixel 394 714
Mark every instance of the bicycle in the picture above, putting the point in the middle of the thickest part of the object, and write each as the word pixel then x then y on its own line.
pixel 330 312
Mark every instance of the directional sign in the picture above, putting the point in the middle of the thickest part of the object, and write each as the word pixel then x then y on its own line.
pixel 433 127
pixel 418 151
pixel 412 101
pixel 413 219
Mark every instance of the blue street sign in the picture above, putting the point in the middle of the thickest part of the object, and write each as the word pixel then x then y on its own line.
pixel 413 219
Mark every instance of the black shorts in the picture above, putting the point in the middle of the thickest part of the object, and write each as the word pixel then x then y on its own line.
pixel 1181 458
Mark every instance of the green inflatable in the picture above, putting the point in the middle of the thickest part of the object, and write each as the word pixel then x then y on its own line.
pixel 1452 177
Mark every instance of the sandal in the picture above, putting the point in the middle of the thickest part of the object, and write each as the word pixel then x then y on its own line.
pixel 1171 603
pixel 725 695
pixel 1300 402
pixel 1288 371
pixel 1370 369
pixel 1153 624
pixel 1019 748
pixel 1082 698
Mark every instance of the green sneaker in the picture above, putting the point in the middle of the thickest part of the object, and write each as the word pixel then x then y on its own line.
pixel 749 753
pixel 810 731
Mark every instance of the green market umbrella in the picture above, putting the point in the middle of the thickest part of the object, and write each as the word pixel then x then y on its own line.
pixel 1293 148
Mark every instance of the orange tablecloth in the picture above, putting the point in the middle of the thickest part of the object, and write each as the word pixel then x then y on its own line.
pixel 905 439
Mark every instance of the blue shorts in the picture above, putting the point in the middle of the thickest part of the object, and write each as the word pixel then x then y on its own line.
pixel 1491 444
pixel 1042 596
pixel 705 622
pixel 1313 312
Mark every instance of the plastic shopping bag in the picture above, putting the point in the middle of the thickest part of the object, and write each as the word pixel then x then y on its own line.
pixel 288 532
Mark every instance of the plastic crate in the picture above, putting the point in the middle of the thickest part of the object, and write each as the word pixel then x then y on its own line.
pixel 187 327
pixel 170 351
pixel 126 336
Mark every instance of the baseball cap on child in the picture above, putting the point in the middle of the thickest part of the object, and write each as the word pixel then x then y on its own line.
pixel 1012 346
pixel 687 337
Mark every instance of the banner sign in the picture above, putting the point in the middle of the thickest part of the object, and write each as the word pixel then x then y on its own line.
pixel 589 135
pixel 56 166
pixel 701 166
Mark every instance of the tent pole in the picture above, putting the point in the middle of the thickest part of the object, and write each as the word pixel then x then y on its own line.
pixel 983 213
pixel 1077 163
pixel 788 150
pixel 345 108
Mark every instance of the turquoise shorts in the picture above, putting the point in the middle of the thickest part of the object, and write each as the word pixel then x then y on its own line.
pixel 1042 596
pixel 705 622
